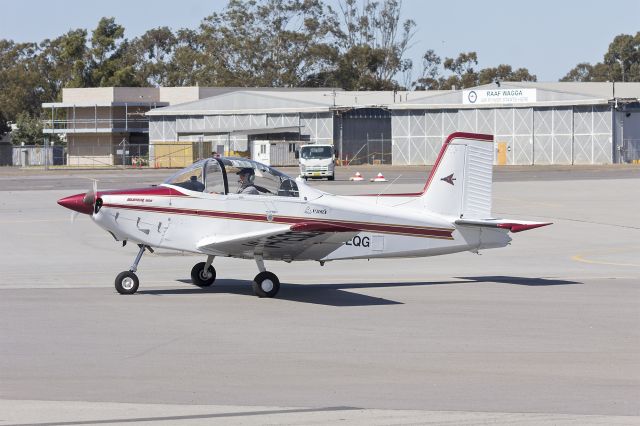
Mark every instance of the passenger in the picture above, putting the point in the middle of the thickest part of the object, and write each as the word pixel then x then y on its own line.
pixel 246 177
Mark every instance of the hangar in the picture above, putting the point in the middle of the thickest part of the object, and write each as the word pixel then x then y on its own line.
pixel 533 123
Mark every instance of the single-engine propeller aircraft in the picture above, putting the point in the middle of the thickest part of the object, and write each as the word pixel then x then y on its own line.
pixel 239 208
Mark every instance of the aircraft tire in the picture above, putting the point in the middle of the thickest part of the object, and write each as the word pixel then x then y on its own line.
pixel 266 284
pixel 198 278
pixel 127 282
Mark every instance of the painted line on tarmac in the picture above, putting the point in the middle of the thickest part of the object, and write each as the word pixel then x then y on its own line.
pixel 34 220
pixel 581 257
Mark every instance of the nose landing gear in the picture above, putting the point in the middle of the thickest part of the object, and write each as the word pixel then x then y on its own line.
pixel 127 282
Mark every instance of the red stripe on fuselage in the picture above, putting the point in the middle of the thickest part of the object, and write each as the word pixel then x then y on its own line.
pixel 154 190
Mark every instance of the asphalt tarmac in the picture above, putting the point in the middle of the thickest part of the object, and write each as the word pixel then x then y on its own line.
pixel 546 330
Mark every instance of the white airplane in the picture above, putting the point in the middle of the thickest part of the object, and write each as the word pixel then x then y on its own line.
pixel 239 208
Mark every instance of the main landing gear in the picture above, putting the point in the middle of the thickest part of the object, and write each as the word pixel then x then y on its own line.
pixel 127 281
pixel 265 284
pixel 203 274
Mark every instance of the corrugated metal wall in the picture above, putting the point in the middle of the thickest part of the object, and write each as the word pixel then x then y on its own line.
pixel 317 126
pixel 559 135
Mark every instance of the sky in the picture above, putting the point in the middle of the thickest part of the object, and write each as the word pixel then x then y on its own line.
pixel 548 37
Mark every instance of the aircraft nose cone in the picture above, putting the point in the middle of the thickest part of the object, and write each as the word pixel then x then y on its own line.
pixel 76 203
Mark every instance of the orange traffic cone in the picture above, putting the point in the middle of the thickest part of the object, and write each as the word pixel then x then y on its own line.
pixel 379 178
pixel 357 177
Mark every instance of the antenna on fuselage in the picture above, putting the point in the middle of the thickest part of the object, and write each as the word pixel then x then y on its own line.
pixel 388 186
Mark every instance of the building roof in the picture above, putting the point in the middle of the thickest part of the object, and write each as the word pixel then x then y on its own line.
pixel 292 101
pixel 302 100
pixel 194 100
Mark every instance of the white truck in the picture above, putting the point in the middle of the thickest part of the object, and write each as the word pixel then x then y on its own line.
pixel 317 161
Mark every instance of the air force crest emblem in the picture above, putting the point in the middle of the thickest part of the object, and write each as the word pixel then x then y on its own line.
pixel 449 179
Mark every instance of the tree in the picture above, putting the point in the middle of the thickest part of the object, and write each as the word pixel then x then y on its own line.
pixel 504 73
pixel 28 131
pixel 623 57
pixel 20 80
pixel 154 51
pixel 269 43
pixel 462 68
pixel 621 62
pixel 111 60
pixel 429 78
pixel 462 72
pixel 372 43
pixel 582 72
pixel 61 63
pixel 4 125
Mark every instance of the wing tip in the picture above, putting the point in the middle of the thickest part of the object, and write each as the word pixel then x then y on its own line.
pixel 519 227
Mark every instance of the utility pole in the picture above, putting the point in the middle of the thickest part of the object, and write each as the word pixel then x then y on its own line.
pixel 124 152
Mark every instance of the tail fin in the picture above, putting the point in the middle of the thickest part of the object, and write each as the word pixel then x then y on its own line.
pixel 460 182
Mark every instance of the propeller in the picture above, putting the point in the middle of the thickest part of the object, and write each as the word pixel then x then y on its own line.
pixel 90 197
pixel 82 203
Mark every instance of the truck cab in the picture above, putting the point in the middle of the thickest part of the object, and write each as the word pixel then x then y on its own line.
pixel 317 161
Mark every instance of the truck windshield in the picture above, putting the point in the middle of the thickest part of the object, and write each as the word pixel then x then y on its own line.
pixel 308 152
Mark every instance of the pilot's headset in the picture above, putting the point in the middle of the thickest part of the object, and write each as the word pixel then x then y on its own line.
pixel 249 173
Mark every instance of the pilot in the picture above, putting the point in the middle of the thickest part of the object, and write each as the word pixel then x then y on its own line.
pixel 246 177
pixel 195 184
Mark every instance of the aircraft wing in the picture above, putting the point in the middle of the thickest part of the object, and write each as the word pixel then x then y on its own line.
pixel 509 224
pixel 300 241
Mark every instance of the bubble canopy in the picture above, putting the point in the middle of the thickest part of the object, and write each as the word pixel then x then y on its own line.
pixel 221 176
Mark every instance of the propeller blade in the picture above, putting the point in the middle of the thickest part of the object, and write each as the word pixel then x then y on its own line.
pixel 90 196
pixel 74 215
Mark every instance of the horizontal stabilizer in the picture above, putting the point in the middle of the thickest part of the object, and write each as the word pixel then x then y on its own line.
pixel 509 224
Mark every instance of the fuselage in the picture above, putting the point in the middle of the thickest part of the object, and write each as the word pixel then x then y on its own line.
pixel 175 218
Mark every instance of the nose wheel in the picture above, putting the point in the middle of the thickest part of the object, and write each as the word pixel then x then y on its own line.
pixel 127 282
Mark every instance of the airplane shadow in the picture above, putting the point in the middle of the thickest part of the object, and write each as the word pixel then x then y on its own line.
pixel 338 294
pixel 534 282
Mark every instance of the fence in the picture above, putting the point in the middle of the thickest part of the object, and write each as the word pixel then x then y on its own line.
pixel 125 124
pixel 34 155
pixel 182 154
pixel 629 151
pixel 368 151
pixel 124 155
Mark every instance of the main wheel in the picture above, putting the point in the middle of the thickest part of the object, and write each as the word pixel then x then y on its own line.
pixel 266 284
pixel 127 282
pixel 203 278
pixel 332 177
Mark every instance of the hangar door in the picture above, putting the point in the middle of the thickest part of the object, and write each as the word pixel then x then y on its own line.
pixel 366 136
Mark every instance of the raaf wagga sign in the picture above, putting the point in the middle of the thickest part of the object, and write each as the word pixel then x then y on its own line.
pixel 498 96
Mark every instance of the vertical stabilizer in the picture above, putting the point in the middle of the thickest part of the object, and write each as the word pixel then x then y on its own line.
pixel 460 182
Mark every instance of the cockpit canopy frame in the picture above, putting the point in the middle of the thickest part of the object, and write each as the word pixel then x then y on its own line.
pixel 220 176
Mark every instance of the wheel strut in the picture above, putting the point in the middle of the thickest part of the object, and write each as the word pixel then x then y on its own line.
pixel 134 267
pixel 208 262
pixel 260 262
